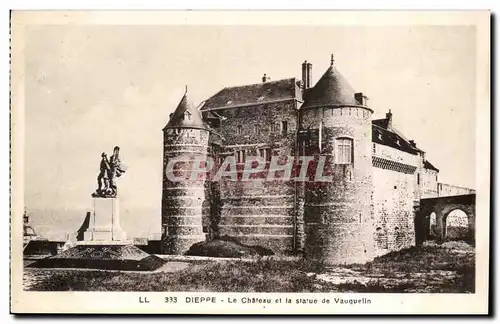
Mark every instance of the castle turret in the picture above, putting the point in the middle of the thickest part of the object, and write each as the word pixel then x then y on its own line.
pixel 185 138
pixel 338 208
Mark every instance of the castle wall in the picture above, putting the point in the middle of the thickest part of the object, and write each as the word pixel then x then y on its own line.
pixel 426 180
pixel 338 214
pixel 451 190
pixel 429 182
pixel 259 212
pixel 394 186
pixel 183 201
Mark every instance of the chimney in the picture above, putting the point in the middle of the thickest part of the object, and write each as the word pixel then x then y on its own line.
pixel 358 96
pixel 305 75
pixel 265 78
pixel 388 116
pixel 309 75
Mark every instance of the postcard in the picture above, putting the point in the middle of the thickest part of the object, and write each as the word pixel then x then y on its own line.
pixel 250 162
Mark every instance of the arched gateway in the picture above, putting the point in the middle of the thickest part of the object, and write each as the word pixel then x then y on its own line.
pixel 454 218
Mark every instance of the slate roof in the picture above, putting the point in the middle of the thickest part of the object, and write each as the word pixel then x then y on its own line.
pixel 253 94
pixel 384 122
pixel 331 89
pixel 386 137
pixel 192 120
pixel 383 133
pixel 429 166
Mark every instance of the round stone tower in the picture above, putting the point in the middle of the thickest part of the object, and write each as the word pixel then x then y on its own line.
pixel 338 208
pixel 185 138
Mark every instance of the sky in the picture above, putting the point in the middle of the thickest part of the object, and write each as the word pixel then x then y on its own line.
pixel 89 88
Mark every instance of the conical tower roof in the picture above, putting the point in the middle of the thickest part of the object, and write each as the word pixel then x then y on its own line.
pixel 186 116
pixel 332 89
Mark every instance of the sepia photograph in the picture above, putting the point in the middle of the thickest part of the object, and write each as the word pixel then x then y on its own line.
pixel 246 162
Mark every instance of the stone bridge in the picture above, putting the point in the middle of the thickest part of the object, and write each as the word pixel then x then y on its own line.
pixel 432 215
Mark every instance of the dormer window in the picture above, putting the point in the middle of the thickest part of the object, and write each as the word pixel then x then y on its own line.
pixel 260 98
pixel 229 102
pixel 186 116
pixel 239 129
pixel 379 136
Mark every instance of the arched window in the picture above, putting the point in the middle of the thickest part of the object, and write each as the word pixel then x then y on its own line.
pixel 343 150
pixel 186 115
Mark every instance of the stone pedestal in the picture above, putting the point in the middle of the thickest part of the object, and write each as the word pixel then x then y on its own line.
pixel 104 223
pixel 104 246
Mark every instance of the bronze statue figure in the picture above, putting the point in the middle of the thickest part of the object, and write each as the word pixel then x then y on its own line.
pixel 109 171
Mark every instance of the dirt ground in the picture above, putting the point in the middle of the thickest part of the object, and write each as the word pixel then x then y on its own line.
pixel 432 268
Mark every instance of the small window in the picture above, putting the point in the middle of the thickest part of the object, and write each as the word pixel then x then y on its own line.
pixel 186 115
pixel 257 129
pixel 265 153
pixel 418 178
pixel 284 127
pixel 240 156
pixel 436 177
pixel 343 151
pixel 374 149
pixel 229 102
pixel 239 129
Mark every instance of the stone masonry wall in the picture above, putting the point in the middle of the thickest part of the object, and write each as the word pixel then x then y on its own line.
pixel 338 214
pixel 393 200
pixel 451 190
pixel 429 182
pixel 183 201
pixel 259 212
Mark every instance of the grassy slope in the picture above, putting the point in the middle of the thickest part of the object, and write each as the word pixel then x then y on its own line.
pixel 278 276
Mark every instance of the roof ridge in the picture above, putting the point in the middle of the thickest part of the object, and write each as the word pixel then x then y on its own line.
pixel 259 83
pixel 256 93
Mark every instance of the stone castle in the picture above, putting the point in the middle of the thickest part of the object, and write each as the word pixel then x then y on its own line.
pixel 368 209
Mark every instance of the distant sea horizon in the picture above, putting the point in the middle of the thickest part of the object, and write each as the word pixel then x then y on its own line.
pixel 60 224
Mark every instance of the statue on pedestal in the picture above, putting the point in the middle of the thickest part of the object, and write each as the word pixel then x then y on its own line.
pixel 109 171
